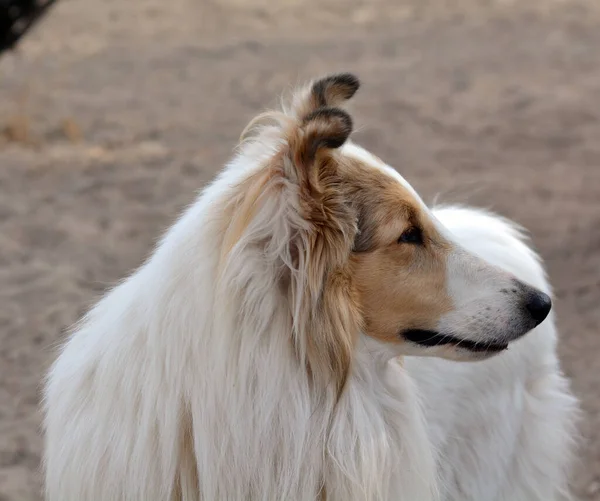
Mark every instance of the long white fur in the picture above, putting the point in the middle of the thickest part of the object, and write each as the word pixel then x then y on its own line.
pixel 175 389
pixel 504 429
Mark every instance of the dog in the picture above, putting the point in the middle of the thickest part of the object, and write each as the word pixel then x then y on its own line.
pixel 304 332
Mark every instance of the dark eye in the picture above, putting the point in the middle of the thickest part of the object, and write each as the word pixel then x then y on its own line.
pixel 412 235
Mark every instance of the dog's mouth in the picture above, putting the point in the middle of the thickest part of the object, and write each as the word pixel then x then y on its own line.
pixel 432 338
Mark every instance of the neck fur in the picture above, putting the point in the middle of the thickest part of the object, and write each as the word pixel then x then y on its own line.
pixel 260 428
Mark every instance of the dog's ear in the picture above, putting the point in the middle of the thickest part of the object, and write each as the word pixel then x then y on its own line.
pixel 321 131
pixel 315 168
pixel 325 309
pixel 330 91
pixel 295 217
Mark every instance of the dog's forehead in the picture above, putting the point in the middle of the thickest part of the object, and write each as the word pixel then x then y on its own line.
pixel 369 160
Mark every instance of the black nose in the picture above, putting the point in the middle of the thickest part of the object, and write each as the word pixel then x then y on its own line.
pixel 539 305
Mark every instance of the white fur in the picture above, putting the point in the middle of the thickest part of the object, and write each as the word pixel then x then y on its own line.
pixel 503 428
pixel 174 388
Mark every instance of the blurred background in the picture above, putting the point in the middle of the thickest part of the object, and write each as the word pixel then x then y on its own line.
pixel 113 113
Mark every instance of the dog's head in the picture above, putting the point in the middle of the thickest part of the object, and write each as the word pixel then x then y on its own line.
pixel 355 250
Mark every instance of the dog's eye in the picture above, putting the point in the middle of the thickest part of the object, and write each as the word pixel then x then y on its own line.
pixel 412 235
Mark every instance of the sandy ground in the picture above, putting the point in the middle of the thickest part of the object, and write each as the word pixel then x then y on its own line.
pixel 115 113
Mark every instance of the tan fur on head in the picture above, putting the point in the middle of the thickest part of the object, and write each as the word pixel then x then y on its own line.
pixel 346 215
pixel 305 166
pixel 326 304
pixel 400 286
pixel 345 271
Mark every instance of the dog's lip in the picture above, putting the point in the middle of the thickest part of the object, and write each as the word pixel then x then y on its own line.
pixel 430 338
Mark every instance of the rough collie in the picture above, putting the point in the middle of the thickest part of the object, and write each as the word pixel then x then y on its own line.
pixel 261 351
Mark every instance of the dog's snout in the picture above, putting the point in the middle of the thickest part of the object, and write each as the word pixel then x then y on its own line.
pixel 538 304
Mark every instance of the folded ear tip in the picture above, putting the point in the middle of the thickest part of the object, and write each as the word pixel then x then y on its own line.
pixel 348 81
pixel 330 127
pixel 329 115
pixel 343 129
pixel 333 88
pixel 335 120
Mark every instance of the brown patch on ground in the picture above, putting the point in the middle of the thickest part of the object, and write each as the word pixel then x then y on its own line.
pixel 490 102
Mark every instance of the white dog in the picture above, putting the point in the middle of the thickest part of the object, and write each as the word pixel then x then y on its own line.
pixel 257 355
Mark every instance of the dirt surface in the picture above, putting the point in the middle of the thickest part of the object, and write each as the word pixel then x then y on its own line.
pixel 115 113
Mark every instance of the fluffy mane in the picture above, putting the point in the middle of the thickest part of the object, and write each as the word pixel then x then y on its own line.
pixel 234 356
